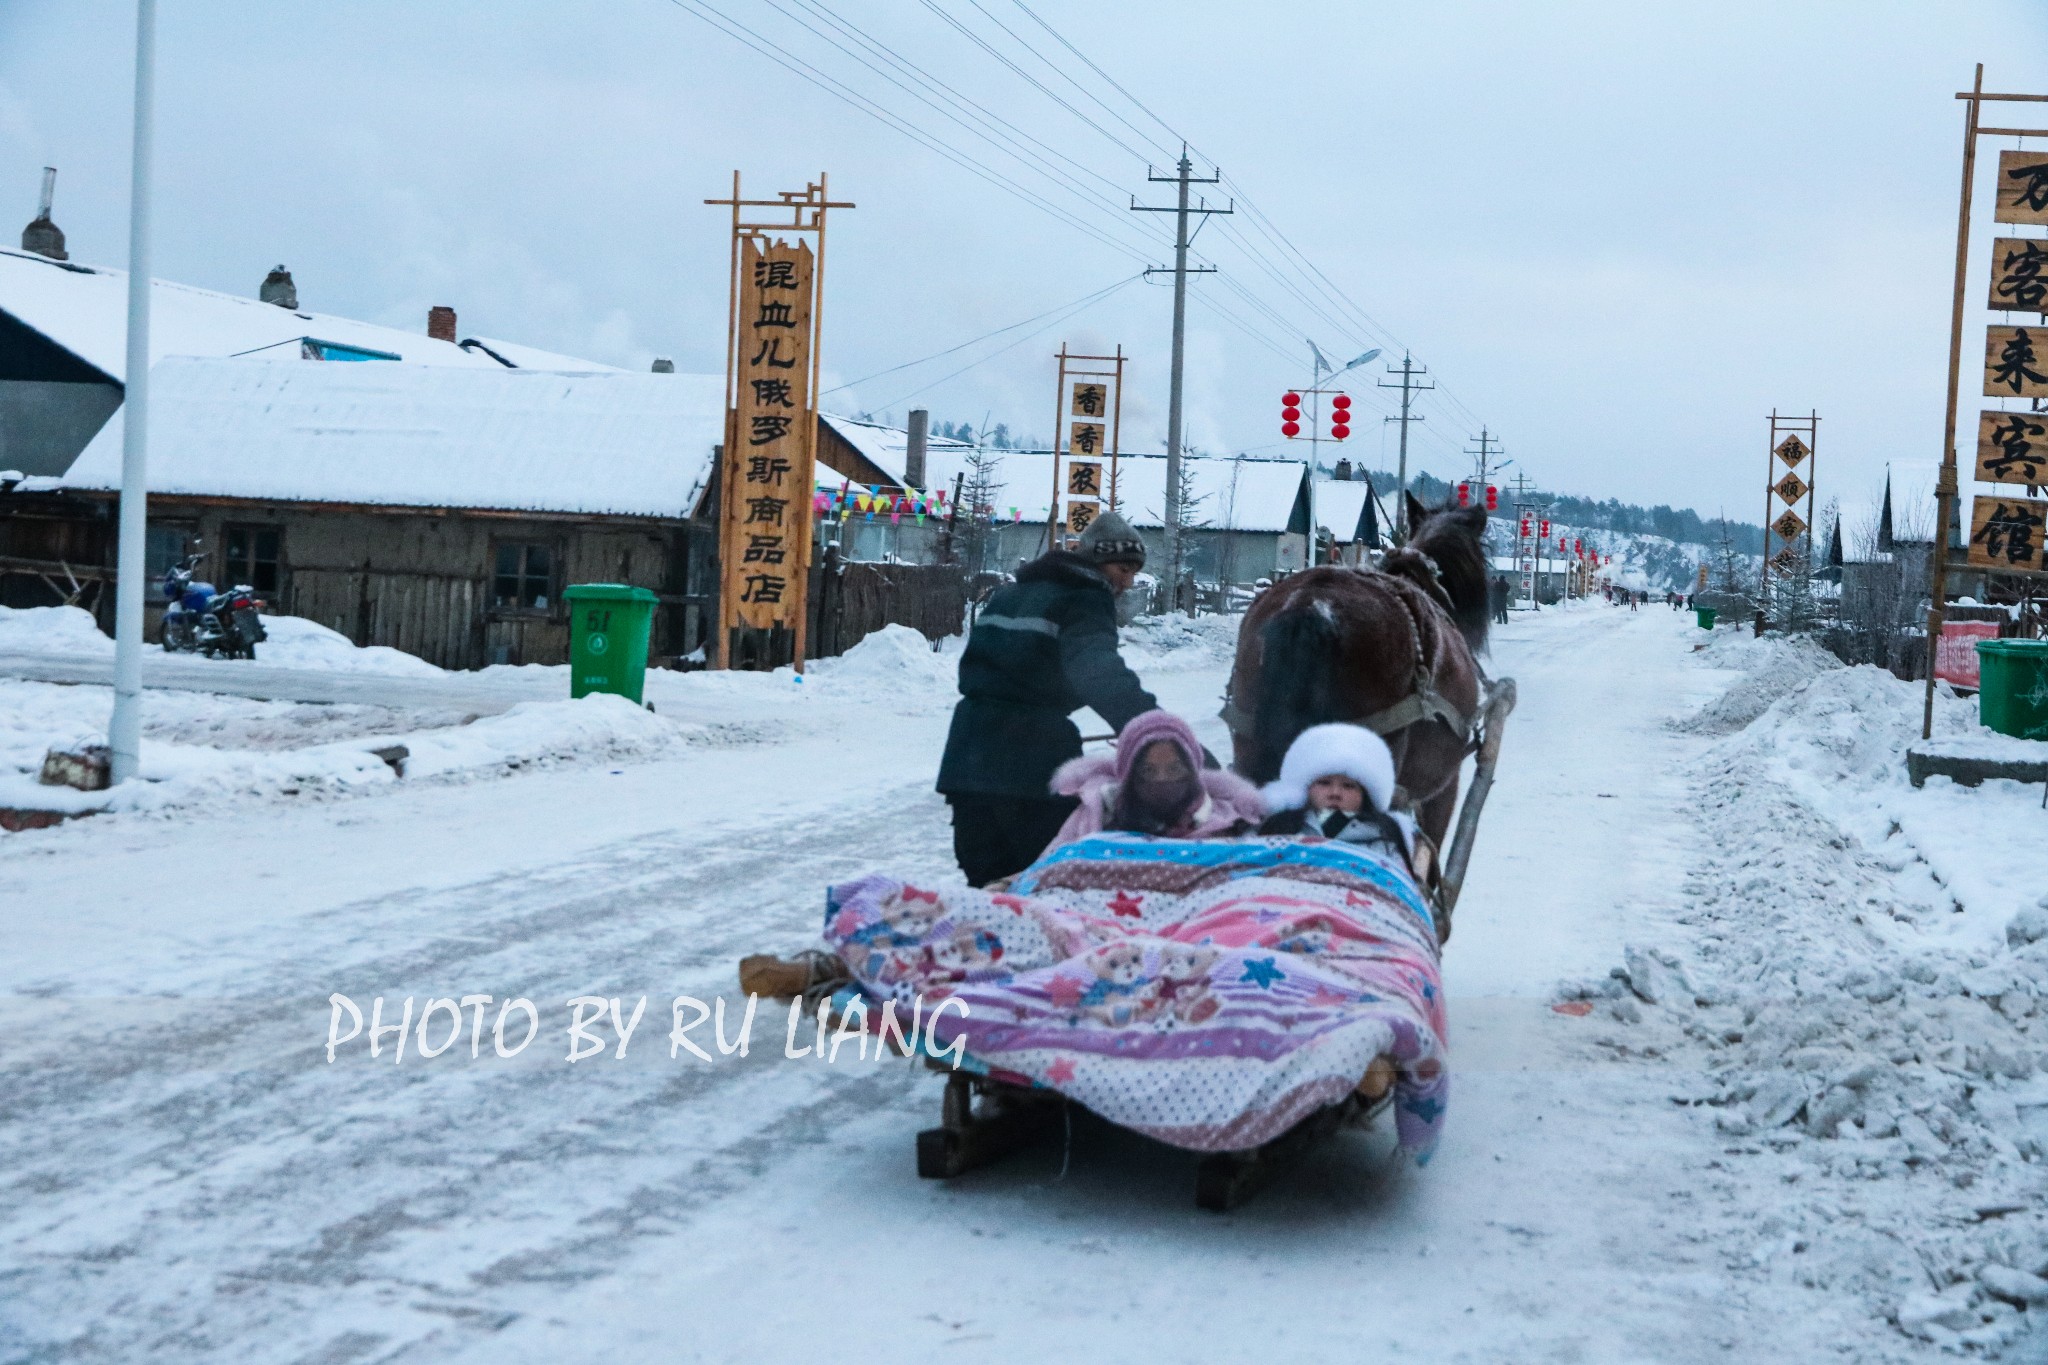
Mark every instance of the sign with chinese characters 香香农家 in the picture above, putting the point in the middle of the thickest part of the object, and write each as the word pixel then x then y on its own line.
pixel 767 468
pixel 1084 478
pixel 1091 400
pixel 1081 514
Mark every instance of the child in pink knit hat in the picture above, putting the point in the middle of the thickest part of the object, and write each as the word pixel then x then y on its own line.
pixel 1155 783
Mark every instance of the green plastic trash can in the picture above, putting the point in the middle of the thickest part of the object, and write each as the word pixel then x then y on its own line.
pixel 2012 687
pixel 1705 616
pixel 608 629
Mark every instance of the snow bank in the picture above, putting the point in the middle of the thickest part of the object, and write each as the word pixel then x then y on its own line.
pixel 1771 666
pixel 1176 642
pixel 296 642
pixel 890 664
pixel 52 630
pixel 1867 998
pixel 180 775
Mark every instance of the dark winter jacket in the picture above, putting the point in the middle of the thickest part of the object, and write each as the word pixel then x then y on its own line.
pixel 1367 827
pixel 1043 648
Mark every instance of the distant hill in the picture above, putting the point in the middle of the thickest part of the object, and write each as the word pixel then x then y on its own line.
pixel 1680 525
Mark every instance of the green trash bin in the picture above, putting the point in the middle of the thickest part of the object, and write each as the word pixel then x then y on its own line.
pixel 608 628
pixel 2012 687
pixel 1705 616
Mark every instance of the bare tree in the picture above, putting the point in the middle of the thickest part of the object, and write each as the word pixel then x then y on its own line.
pixel 974 523
pixel 1885 580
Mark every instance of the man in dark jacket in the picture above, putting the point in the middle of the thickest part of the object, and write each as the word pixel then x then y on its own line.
pixel 1497 592
pixel 1044 647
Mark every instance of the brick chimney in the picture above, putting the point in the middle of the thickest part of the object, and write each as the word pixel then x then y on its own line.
pixel 663 365
pixel 41 235
pixel 1343 471
pixel 278 289
pixel 441 322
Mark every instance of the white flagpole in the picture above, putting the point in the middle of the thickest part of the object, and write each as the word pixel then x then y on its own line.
pixel 124 731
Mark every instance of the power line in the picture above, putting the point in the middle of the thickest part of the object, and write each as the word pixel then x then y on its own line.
pixel 1071 312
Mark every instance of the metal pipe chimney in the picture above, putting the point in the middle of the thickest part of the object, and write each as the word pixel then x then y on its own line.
pixel 41 235
pixel 914 450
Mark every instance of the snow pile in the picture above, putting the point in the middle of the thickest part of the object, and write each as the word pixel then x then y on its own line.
pixel 1772 666
pixel 51 630
pixel 179 775
pixel 1872 1023
pixel 895 663
pixel 296 642
pixel 1176 642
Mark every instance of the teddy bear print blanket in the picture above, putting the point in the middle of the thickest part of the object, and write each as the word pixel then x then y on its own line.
pixel 1208 993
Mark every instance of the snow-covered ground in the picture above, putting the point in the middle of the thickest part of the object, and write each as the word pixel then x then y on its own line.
pixel 1818 1140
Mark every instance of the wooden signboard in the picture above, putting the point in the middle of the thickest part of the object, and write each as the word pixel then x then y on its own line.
pixel 1791 488
pixel 1091 400
pixel 2016 362
pixel 2006 534
pixel 1085 438
pixel 1081 513
pixel 1788 525
pixel 2019 274
pixel 1792 450
pixel 2012 447
pixel 1084 478
pixel 767 473
pixel 2022 187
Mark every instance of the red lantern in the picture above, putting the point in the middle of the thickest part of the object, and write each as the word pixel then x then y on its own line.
pixel 1578 546
pixel 1492 498
pixel 1546 528
pixel 1290 414
pixel 1525 528
pixel 1340 416
pixel 1464 495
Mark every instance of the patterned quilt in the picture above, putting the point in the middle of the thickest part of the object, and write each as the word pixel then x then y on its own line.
pixel 1209 993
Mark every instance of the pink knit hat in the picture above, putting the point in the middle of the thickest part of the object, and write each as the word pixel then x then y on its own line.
pixel 1149 726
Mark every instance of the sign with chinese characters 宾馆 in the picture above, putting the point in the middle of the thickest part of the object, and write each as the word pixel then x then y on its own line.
pixel 2005 533
pixel 1091 400
pixel 2018 281
pixel 2022 188
pixel 2016 362
pixel 1084 478
pixel 1792 450
pixel 2012 447
pixel 1084 438
pixel 1081 513
pixel 767 470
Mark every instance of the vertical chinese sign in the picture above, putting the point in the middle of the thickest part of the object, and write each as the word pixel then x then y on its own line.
pixel 2008 527
pixel 767 470
pixel 1790 479
pixel 1088 412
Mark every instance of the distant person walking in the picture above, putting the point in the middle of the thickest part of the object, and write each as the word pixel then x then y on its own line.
pixel 1044 647
pixel 1497 597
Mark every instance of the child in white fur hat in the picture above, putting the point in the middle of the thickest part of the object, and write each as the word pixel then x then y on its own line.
pixel 1337 781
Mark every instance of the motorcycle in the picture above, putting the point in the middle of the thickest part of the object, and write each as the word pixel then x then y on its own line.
pixel 200 620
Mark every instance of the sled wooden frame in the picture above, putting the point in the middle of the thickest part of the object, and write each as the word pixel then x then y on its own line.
pixel 1494 707
pixel 1008 1117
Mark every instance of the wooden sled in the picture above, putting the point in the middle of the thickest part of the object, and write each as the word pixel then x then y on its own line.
pixel 983 1118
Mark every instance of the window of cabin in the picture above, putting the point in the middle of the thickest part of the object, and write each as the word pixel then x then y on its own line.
pixel 164 548
pixel 253 556
pixel 523 577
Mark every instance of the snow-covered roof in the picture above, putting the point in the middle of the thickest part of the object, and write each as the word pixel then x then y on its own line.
pixel 1241 494
pixel 1340 506
pixel 84 309
pixel 423 436
pixel 512 355
pixel 887 448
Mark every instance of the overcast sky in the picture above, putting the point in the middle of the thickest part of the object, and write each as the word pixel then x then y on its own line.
pixel 1617 233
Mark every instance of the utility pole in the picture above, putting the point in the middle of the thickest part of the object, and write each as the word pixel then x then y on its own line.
pixel 1182 177
pixel 1409 388
pixel 1489 446
pixel 124 728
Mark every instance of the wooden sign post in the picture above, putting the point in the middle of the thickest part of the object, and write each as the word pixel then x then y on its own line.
pixel 767 468
pixel 1788 479
pixel 2006 528
pixel 1088 412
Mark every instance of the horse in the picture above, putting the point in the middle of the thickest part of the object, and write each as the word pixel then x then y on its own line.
pixel 1394 648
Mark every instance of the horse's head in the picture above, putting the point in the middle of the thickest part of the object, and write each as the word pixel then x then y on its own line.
pixel 1454 540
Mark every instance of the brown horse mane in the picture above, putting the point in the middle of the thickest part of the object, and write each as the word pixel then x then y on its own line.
pixel 1446 551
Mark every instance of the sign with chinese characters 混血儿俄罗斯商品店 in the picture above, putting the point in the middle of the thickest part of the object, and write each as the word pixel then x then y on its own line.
pixel 2012 447
pixel 2016 362
pixel 1792 450
pixel 1081 514
pixel 2022 188
pixel 2006 533
pixel 1084 479
pixel 768 469
pixel 2019 275
pixel 1091 400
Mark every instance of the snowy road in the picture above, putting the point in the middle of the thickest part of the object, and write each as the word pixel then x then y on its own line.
pixel 187 1179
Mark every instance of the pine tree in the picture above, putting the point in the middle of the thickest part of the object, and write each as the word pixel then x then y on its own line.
pixel 1792 607
pixel 974 519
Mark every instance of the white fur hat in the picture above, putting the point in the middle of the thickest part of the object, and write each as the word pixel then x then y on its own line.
pixel 1327 750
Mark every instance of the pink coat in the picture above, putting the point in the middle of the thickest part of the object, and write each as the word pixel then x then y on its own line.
pixel 1227 798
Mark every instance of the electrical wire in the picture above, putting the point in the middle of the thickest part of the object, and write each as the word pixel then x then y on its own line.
pixel 1071 312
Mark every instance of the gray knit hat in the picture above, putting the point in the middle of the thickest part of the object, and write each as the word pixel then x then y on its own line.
pixel 1110 539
